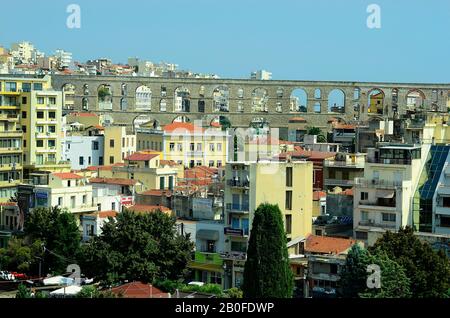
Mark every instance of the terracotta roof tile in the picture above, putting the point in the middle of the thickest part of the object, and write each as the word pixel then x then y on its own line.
pixel 327 245
pixel 182 128
pixel 142 208
pixel 138 156
pixel 157 192
pixel 138 290
pixel 66 175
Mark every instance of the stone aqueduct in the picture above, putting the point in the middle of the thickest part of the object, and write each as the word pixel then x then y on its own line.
pixel 243 95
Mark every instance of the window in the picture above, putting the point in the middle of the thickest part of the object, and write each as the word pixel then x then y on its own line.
pixel 180 147
pixel 333 269
pixel 24 129
pixel 60 201
pixel 24 143
pixel 211 163
pixel 219 163
pixel 288 200
pixel 52 100
pixel 111 143
pixel 199 162
pixel 40 129
pixel 364 196
pixel 161 183
pixel 52 129
pixel 37 86
pixel 39 143
pixel 192 147
pixel 11 86
pixel 89 160
pixel 81 161
pixel 123 142
pixel 288 223
pixel 40 100
pixel 113 206
pixel 100 161
pixel 111 159
pixel 95 145
pixel 219 147
pixel 52 115
pixel 52 143
pixel 364 215
pixel 199 146
pixel 40 115
pixel 289 177
pixel 84 198
pixel 24 100
pixel 388 217
pixel 26 87
pixel 72 202
pixel 171 183
pixel 172 146
pixel 361 235
pixel 211 147
pixel 24 114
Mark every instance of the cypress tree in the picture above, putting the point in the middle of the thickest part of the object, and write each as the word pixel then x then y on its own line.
pixel 267 272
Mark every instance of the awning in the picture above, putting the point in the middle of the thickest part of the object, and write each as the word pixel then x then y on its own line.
pixel 206 267
pixel 385 194
pixel 210 235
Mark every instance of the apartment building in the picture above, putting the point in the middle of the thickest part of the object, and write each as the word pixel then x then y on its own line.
pixel 342 169
pixel 186 143
pixel 83 151
pixel 383 197
pixel 118 145
pixel 288 184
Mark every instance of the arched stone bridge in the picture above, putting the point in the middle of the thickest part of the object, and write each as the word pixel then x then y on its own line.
pixel 242 101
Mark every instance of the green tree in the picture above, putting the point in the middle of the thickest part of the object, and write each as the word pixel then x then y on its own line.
pixel 428 270
pixel 317 132
pixel 233 293
pixel 21 256
pixel 137 247
pixel 394 281
pixel 23 292
pixel 59 232
pixel 267 272
pixel 88 292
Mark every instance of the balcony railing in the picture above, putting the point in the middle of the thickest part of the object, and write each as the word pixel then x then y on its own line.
pixel 374 224
pixel 339 182
pixel 241 208
pixel 378 183
pixel 386 161
pixel 236 232
pixel 237 256
pixel 343 164
pixel 239 183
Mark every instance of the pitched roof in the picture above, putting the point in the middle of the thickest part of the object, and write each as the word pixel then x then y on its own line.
pixel 168 163
pixel 327 245
pixel 142 208
pixel 138 156
pixel 319 194
pixel 157 192
pixel 118 181
pixel 66 175
pixel 182 128
pixel 104 214
pixel 139 290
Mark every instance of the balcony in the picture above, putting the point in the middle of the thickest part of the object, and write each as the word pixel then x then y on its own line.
pixel 377 205
pixel 447 171
pixel 344 164
pixel 208 258
pixel 443 210
pixel 325 276
pixel 385 161
pixel 9 117
pixel 238 183
pixel 378 183
pixel 11 150
pixel 195 154
pixel 11 133
pixel 238 208
pixel 235 256
pixel 10 166
pixel 339 182
pixel 443 189
pixel 372 223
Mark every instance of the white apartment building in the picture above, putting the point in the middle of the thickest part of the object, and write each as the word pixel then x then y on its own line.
pixel 83 151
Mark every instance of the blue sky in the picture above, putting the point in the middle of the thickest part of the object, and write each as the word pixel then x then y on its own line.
pixel 294 39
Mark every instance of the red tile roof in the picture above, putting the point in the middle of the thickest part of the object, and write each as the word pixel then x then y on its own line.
pixel 66 175
pixel 157 192
pixel 327 245
pixel 182 128
pixel 138 156
pixel 139 290
pixel 347 192
pixel 307 154
pixel 215 124
pixel 105 214
pixel 142 208
pixel 168 163
pixel 84 114
pixel 318 194
pixel 118 181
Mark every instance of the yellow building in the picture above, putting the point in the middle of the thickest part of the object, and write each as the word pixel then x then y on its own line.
pixel 186 144
pixel 85 119
pixel 39 120
pixel 149 169
pixel 118 144
pixel 288 184
pixel 376 103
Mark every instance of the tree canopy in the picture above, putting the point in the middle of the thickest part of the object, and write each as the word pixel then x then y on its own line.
pixel 318 132
pixel 267 272
pixel 141 247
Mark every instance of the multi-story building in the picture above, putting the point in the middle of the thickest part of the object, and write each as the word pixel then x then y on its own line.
pixel 288 184
pixel 63 58
pixel 24 53
pixel 383 199
pixel 10 142
pixel 342 169
pixel 186 143
pixel 83 151
pixel 118 144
